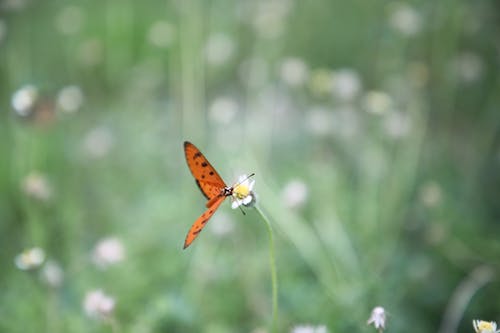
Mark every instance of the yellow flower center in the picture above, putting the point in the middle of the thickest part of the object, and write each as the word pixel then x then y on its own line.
pixel 485 326
pixel 241 191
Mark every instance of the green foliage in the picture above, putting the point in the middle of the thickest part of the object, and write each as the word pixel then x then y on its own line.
pixel 372 127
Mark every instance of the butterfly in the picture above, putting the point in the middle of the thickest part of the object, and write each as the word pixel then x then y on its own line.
pixel 211 185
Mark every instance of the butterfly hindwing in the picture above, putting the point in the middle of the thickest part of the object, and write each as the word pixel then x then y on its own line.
pixel 201 221
pixel 207 178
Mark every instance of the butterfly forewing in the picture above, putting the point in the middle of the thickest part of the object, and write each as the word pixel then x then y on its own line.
pixel 201 221
pixel 207 178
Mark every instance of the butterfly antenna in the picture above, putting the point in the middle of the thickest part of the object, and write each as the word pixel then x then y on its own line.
pixel 249 176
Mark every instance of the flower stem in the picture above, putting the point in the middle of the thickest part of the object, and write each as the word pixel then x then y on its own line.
pixel 272 265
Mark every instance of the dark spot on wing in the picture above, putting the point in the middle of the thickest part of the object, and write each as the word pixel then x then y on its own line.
pixel 203 176
pixel 204 164
pixel 196 155
pixel 211 173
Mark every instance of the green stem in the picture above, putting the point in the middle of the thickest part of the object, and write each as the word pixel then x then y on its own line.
pixel 272 265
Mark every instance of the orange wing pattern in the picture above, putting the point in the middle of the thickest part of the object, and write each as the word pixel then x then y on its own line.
pixel 208 180
pixel 201 221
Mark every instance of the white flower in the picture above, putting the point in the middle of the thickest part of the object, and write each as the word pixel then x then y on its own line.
pixel 294 72
pixel 223 110
pixel 97 304
pixel 481 326
pixel 431 194
pixel 30 259
pixel 37 186
pixel 108 251
pixel 377 102
pixel 309 329
pixel 242 192
pixel 405 19
pixel 319 121
pixel 98 142
pixel 52 274
pixel 270 17
pixel 219 49
pixel 23 100
pixel 70 99
pixel 468 66
pixel 346 84
pixel 161 34
pixel 397 124
pixel 377 318
pixel 295 193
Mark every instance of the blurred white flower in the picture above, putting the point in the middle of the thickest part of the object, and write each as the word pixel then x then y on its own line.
pixel 30 259
pixel 295 193
pixel 468 66
pixel 270 16
pixel 481 326
pixel 70 20
pixel 98 305
pixel 161 34
pixel 70 99
pixel 377 318
pixel 309 329
pixel 24 99
pixel 397 124
pixel 405 19
pixel 36 186
pixel 321 81
pixel 346 84
pixel 223 110
pixel 431 194
pixel 242 192
pixel 52 274
pixel 107 252
pixel 219 49
pixel 98 142
pixel 294 72
pixel 377 102
pixel 319 121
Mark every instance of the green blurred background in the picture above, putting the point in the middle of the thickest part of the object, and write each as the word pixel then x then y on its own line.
pixel 372 127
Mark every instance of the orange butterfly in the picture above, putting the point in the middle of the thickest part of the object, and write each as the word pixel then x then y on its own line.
pixel 211 185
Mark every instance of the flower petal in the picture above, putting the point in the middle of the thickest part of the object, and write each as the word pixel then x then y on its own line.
pixel 235 204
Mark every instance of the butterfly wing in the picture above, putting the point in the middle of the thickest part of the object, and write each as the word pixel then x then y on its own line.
pixel 207 178
pixel 201 221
